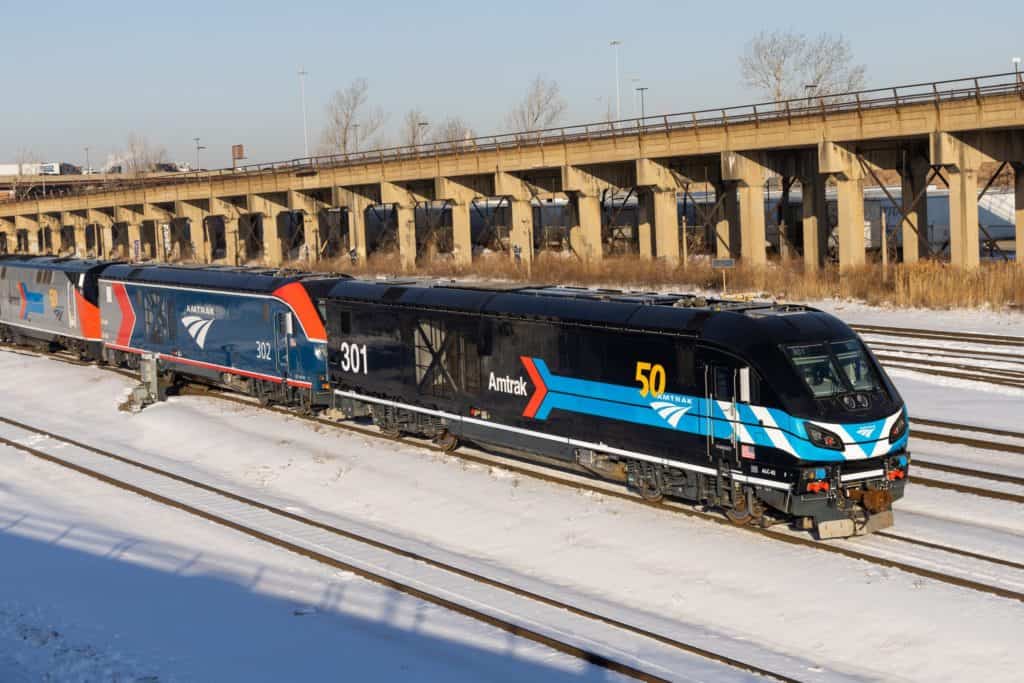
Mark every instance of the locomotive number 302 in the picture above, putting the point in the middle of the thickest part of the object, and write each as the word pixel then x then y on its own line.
pixel 353 358
pixel 651 378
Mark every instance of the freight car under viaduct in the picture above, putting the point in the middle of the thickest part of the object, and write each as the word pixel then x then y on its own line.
pixel 939 133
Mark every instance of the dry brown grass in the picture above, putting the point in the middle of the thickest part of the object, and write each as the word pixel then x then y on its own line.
pixel 928 284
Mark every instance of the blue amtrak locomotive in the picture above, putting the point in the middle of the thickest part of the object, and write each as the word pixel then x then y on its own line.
pixel 251 330
pixel 766 411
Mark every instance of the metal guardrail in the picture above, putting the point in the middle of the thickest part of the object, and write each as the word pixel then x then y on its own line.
pixel 974 87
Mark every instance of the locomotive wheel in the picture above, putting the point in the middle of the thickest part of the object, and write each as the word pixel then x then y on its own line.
pixel 447 442
pixel 649 490
pixel 739 514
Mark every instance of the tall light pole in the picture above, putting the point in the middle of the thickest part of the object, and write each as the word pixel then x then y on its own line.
pixel 643 103
pixel 355 138
pixel 87 167
pixel 302 94
pixel 618 97
pixel 198 147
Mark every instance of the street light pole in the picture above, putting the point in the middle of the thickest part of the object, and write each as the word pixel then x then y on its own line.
pixel 198 147
pixel 643 102
pixel 618 96
pixel 87 167
pixel 302 93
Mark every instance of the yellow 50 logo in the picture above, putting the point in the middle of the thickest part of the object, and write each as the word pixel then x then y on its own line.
pixel 651 378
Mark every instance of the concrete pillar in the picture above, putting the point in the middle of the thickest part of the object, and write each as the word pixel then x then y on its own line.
pixel 228 211
pixel 269 208
pixel 664 208
pixel 133 219
pixel 8 233
pixel 914 179
pixel 850 210
pixel 964 246
pixel 197 229
pixel 520 230
pixel 460 198
pixel 1018 179
pixel 584 192
pixel 748 171
pixel 356 204
pixel 310 207
pixel 104 224
pixel 727 222
pixel 585 227
pixel 815 220
pixel 843 165
pixel 404 202
pixel 960 162
pixel 29 224
pixel 645 222
pixel 666 226
pixel 76 222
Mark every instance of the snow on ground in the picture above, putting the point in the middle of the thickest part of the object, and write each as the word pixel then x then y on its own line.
pixel 100 585
pixel 984 321
pixel 720 588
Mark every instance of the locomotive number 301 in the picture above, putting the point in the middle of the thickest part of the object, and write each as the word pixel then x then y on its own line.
pixel 651 378
pixel 353 358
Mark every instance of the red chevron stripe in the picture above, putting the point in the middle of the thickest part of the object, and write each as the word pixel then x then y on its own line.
pixel 124 332
pixel 540 390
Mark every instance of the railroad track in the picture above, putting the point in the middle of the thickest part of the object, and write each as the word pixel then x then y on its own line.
pixel 557 473
pixel 962 337
pixel 249 516
pixel 889 342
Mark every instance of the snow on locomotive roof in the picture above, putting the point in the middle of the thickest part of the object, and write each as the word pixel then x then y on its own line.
pixel 63 263
pixel 741 323
pixel 239 278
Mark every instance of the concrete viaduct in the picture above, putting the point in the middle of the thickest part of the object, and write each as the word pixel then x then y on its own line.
pixel 934 133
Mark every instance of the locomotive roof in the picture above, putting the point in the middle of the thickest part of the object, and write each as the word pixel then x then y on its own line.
pixel 235 278
pixel 62 263
pixel 738 324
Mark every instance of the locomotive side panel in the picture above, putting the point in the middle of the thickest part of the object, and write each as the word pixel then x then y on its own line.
pixel 207 333
pixel 47 304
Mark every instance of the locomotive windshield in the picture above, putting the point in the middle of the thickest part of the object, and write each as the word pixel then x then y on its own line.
pixel 833 368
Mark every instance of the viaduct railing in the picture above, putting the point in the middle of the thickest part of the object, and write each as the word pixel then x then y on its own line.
pixel 937 92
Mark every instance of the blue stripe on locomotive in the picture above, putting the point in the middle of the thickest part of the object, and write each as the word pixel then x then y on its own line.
pixel 235 331
pixel 690 414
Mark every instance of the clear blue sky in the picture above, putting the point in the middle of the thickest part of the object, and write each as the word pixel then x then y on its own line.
pixel 86 73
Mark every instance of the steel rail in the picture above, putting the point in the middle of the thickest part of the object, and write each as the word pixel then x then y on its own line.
pixel 503 624
pixel 516 466
pixel 967 337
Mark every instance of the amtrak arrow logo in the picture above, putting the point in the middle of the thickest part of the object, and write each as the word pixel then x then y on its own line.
pixel 670 412
pixel 867 431
pixel 197 328
pixel 540 390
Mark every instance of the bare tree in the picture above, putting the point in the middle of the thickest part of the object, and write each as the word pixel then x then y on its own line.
pixel 452 132
pixel 140 156
pixel 786 65
pixel 541 108
pixel 414 129
pixel 350 120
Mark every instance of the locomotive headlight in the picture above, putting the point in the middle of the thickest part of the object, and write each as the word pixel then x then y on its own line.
pixel 823 438
pixel 320 352
pixel 898 428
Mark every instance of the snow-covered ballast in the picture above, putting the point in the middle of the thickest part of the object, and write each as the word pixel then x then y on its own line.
pixel 767 411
